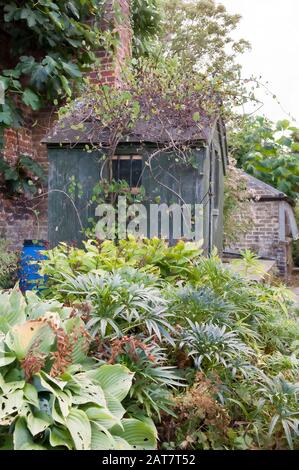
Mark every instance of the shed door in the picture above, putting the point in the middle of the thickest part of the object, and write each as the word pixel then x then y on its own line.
pixel 69 203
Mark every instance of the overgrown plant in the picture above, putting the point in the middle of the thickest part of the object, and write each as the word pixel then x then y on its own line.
pixel 150 256
pixel 119 304
pixel 242 335
pixel 238 213
pixel 210 346
pixel 53 395
pixel 268 151
pixel 24 178
pixel 154 380
pixel 50 45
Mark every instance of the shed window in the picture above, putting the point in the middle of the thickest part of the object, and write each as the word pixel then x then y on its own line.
pixel 129 169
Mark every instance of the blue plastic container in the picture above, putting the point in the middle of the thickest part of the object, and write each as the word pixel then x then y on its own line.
pixel 28 268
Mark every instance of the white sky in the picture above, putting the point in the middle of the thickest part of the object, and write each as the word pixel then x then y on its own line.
pixel 272 28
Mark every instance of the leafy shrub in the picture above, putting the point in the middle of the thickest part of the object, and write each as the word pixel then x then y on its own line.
pixel 53 394
pixel 238 210
pixel 8 266
pixel 202 304
pixel 119 305
pixel 279 399
pixel 153 378
pixel 241 334
pixel 149 256
pixel 210 345
pixel 25 177
pixel 269 151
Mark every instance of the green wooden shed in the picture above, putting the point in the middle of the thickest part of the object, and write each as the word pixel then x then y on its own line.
pixel 166 180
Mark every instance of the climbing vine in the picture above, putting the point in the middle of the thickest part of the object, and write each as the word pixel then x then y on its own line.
pixel 25 177
pixel 50 44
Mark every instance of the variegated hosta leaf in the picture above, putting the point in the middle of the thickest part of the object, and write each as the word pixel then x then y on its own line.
pixel 30 393
pixel 102 416
pixel 60 437
pixel 63 398
pixel 10 404
pixel 13 307
pixel 79 427
pixel 49 382
pixel 101 439
pixel 115 407
pixel 139 434
pixel 86 391
pixel 8 387
pixel 38 422
pixel 115 380
pixel 29 335
pixel 22 437
pixel 6 359
pixel 37 308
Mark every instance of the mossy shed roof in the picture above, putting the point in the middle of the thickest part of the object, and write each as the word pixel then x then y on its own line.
pixel 69 130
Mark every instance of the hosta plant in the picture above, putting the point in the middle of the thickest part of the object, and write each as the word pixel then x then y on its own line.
pixel 52 394
pixel 153 381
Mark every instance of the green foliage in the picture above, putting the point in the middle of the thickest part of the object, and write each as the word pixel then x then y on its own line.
pixel 242 336
pixel 153 378
pixel 210 345
pixel 52 394
pixel 147 23
pixel 269 152
pixel 119 303
pixel 282 397
pixel 8 265
pixel 212 51
pixel 24 177
pixel 249 265
pixel 50 45
pixel 149 256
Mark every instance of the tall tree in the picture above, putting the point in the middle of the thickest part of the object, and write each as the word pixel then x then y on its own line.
pixel 268 151
pixel 199 34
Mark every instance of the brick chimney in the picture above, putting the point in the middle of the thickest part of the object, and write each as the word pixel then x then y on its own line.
pixel 16 221
pixel 116 19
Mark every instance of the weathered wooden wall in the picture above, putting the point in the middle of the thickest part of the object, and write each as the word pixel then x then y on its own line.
pixel 165 181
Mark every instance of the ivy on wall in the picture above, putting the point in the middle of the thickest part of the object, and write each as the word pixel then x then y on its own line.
pixel 50 44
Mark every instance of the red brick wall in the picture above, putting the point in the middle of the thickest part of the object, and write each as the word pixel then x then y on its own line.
pixel 109 66
pixel 20 220
pixel 263 238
